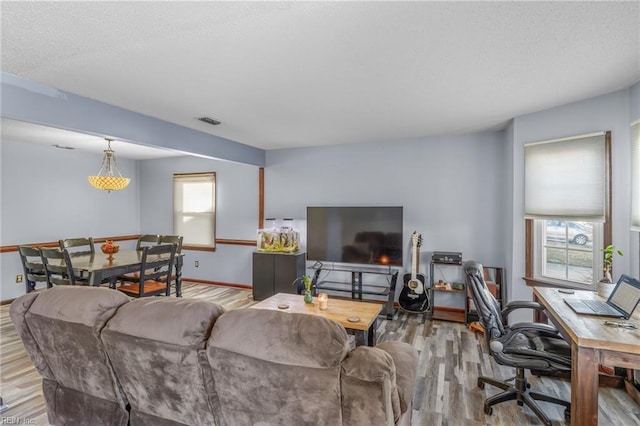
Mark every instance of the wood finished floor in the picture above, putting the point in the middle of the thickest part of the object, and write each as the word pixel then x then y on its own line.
pixel 451 359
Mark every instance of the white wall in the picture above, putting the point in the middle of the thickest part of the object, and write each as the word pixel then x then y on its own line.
pixel 45 196
pixel 236 213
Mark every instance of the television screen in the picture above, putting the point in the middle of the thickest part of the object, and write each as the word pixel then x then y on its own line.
pixel 364 235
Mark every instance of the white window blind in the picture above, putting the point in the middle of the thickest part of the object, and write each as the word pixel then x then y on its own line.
pixel 566 178
pixel 194 208
pixel 635 176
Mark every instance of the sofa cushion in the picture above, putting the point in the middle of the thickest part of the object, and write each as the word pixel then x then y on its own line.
pixel 277 368
pixel 65 324
pixel 156 346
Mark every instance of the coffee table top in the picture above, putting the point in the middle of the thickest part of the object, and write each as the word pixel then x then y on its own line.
pixel 338 310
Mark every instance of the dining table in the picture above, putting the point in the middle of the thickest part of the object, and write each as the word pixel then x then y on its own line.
pixel 100 268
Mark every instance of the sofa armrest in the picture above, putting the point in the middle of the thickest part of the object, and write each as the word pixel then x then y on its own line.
pixel 405 358
pixel 18 312
pixel 369 392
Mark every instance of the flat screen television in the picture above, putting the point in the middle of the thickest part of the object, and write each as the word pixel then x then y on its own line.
pixel 361 235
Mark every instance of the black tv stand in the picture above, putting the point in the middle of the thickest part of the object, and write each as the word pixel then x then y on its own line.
pixel 356 287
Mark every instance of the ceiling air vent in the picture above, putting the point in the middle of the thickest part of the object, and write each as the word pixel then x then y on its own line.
pixel 209 120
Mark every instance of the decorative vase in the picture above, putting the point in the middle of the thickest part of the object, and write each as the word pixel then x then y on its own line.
pixel 110 248
pixel 605 288
pixel 308 297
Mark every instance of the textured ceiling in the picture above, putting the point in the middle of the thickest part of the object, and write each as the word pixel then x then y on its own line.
pixel 287 74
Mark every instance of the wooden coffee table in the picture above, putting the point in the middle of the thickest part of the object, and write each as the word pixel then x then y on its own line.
pixel 338 310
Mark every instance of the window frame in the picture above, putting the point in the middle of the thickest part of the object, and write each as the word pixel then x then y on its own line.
pixel 186 244
pixel 540 245
pixel 607 230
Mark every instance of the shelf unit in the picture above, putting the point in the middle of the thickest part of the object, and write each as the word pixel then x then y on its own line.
pixel 356 287
pixel 461 308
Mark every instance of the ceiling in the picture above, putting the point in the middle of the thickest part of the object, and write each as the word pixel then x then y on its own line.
pixel 19 131
pixel 291 74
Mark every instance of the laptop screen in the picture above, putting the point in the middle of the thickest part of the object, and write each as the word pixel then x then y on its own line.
pixel 626 295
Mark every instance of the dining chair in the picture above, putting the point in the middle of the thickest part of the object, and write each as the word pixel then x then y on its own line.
pixel 32 265
pixel 155 268
pixel 57 266
pixel 147 240
pixel 144 240
pixel 78 247
pixel 177 240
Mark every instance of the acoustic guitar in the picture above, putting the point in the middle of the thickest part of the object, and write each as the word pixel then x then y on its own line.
pixel 414 297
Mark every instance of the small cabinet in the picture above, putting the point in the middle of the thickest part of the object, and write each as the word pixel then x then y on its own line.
pixel 275 273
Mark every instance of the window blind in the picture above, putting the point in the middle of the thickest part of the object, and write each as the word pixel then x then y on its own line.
pixel 635 176
pixel 566 178
pixel 194 208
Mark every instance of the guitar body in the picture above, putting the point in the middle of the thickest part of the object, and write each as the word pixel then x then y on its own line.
pixel 414 296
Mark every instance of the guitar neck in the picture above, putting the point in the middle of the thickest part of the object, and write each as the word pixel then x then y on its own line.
pixel 414 263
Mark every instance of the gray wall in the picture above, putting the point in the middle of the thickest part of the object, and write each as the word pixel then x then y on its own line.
pixel 236 213
pixel 462 192
pixel 451 187
pixel 607 112
pixel 45 196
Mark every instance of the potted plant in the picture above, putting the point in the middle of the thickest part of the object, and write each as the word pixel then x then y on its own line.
pixel 605 285
pixel 305 280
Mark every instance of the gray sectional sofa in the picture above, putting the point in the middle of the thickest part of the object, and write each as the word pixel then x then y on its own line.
pixel 106 360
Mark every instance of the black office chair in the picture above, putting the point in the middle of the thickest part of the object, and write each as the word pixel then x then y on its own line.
pixel 534 346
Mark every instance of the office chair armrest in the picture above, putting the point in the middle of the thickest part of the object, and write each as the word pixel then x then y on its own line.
pixel 538 327
pixel 519 304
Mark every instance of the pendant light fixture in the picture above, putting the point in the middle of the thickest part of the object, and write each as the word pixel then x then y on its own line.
pixel 106 179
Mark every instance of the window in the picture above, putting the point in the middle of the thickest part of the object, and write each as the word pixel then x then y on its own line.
pixel 635 175
pixel 567 204
pixel 194 208
pixel 564 251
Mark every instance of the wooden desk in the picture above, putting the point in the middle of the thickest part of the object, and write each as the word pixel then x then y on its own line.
pixel 338 310
pixel 592 344
pixel 124 262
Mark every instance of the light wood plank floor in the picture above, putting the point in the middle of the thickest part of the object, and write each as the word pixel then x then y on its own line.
pixel 451 358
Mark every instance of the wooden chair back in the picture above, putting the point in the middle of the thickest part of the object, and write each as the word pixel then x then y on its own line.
pixel 57 265
pixel 32 265
pixel 78 246
pixel 155 269
pixel 147 240
pixel 172 239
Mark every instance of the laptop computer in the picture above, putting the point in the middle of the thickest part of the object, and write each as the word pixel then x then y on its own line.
pixel 621 303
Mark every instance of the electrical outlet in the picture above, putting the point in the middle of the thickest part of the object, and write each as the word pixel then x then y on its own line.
pixel 197 263
pixel 19 278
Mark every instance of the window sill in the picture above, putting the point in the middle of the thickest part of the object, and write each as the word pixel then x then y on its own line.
pixel 536 282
